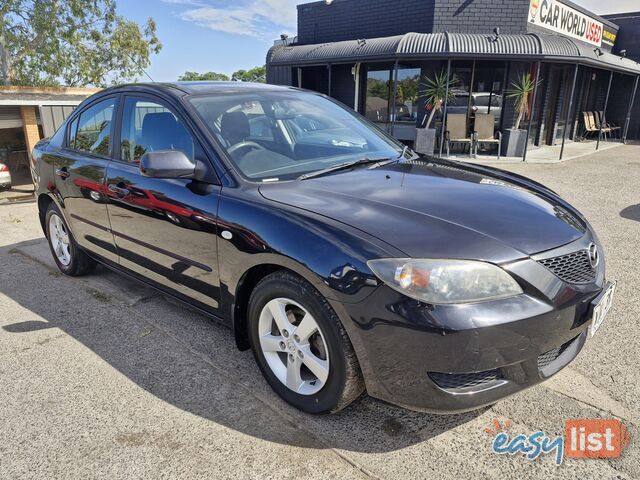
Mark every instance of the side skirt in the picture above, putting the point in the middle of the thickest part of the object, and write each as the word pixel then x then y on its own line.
pixel 189 303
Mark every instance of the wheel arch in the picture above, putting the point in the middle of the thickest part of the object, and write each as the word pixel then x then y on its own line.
pixel 250 278
pixel 44 200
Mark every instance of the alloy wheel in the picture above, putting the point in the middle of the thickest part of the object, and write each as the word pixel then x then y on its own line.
pixel 59 238
pixel 293 346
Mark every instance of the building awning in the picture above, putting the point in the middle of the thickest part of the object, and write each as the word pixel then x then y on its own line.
pixel 531 47
pixel 37 101
pixel 38 96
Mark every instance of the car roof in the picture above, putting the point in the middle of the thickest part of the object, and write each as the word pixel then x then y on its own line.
pixel 204 87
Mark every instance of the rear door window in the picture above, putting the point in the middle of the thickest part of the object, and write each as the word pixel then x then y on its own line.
pixel 91 132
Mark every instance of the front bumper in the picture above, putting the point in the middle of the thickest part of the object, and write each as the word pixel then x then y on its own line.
pixel 453 358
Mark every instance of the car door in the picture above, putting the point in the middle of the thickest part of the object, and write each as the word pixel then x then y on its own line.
pixel 80 175
pixel 164 229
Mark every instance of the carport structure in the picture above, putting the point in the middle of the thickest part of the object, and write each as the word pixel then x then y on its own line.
pixel 571 78
pixel 28 114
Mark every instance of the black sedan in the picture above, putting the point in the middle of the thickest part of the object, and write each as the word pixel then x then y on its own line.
pixel 346 262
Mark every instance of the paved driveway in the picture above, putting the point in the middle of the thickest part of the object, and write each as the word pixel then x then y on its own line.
pixel 103 378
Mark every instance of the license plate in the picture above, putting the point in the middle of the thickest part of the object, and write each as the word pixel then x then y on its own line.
pixel 601 309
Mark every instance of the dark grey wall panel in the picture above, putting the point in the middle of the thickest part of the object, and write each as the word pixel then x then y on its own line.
pixel 52 116
pixel 279 75
pixel 351 19
pixel 629 34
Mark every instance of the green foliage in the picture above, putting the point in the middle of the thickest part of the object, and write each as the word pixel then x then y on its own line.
pixel 71 42
pixel 195 76
pixel 520 91
pixel 408 89
pixel 256 74
pixel 377 88
pixel 435 89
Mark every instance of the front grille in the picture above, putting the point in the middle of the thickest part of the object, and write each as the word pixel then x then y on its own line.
pixel 465 380
pixel 550 356
pixel 572 268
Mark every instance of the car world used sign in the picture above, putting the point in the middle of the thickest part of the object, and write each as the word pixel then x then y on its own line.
pixel 561 18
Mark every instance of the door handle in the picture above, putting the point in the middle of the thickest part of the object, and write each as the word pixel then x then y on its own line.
pixel 119 191
pixel 62 172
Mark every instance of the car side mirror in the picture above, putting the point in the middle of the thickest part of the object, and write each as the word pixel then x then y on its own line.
pixel 167 164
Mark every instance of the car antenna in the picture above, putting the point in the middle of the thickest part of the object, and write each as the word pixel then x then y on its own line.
pixel 140 67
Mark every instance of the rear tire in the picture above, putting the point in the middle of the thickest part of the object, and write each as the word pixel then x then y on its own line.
pixel 70 259
pixel 304 353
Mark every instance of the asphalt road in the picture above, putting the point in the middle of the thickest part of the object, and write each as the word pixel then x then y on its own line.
pixel 103 378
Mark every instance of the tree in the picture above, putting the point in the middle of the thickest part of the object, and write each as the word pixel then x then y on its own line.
pixel 256 74
pixel 195 76
pixel 437 90
pixel 73 42
pixel 520 91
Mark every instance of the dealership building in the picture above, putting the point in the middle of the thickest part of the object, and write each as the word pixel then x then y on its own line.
pixel 378 57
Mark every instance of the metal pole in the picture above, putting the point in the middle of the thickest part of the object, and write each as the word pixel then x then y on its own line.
pixel 604 112
pixel 505 79
pixel 628 119
pixel 566 119
pixel 393 100
pixel 473 78
pixel 329 80
pixel 444 113
pixel 533 111
pixel 356 79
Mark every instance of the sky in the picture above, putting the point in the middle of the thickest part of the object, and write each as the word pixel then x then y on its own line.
pixel 227 35
pixel 212 35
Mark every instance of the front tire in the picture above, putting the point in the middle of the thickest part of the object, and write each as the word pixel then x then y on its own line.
pixel 70 259
pixel 301 346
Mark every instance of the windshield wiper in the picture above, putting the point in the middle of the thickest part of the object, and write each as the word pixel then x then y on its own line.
pixel 341 166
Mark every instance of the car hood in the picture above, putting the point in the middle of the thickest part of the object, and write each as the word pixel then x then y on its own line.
pixel 440 209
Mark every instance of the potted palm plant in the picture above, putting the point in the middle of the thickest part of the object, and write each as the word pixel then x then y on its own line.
pixel 435 90
pixel 514 140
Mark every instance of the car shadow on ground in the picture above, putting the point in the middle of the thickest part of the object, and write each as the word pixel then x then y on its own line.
pixel 191 362
pixel 632 212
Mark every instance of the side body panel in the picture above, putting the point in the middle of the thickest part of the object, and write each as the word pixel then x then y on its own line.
pixel 331 256
pixel 84 201
pixel 79 179
pixel 165 231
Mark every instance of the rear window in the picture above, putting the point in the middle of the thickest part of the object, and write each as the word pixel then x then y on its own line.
pixel 91 132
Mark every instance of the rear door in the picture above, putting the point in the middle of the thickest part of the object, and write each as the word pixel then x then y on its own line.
pixel 80 175
pixel 164 229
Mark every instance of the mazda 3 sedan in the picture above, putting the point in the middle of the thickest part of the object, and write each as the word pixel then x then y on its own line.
pixel 346 262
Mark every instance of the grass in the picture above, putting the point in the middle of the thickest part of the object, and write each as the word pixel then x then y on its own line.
pixel 98 295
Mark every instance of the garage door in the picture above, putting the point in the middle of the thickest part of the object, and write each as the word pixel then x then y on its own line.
pixel 10 117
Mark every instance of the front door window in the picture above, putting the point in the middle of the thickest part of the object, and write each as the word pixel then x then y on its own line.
pixel 150 126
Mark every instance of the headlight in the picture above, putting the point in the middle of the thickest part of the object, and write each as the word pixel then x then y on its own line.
pixel 445 281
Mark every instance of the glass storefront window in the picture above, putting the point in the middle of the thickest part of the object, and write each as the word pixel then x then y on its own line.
pixel 407 94
pixel 462 72
pixel 378 95
pixel 488 89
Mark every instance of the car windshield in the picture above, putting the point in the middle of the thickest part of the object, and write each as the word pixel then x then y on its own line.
pixel 281 135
